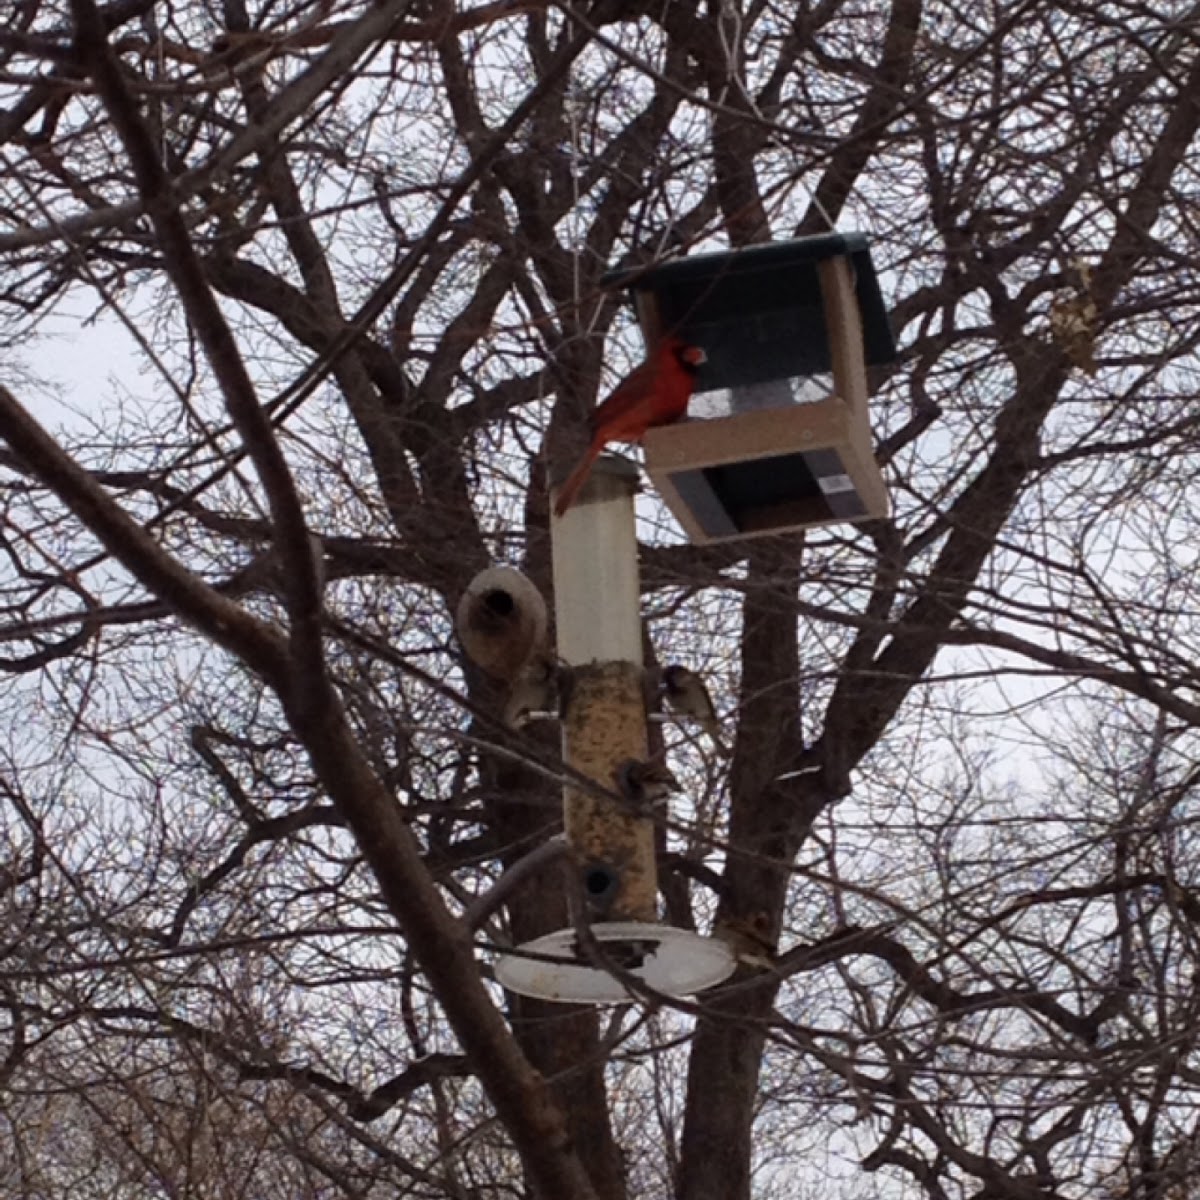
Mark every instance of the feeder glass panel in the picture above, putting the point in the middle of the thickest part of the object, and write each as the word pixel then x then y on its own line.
pixel 775 393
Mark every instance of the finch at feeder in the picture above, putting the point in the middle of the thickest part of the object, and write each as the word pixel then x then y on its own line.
pixel 646 785
pixel 656 393
pixel 540 691
pixel 686 695
pixel 749 938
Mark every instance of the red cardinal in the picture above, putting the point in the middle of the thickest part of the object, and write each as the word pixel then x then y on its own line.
pixel 656 393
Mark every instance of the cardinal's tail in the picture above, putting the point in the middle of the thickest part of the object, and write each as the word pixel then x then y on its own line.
pixel 578 477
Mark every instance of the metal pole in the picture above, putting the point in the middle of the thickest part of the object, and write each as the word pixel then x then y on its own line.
pixel 599 636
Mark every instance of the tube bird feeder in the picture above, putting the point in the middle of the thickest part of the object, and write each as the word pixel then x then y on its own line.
pixel 781 437
pixel 599 628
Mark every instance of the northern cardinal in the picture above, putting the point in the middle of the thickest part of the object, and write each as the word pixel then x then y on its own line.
pixel 656 393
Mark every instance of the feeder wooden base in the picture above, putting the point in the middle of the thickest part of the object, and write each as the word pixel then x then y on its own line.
pixel 767 471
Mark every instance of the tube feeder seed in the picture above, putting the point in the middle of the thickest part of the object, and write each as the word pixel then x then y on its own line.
pixel 789 330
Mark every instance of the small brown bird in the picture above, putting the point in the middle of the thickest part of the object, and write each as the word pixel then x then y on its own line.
pixel 1074 319
pixel 541 690
pixel 646 785
pixel 749 938
pixel 685 694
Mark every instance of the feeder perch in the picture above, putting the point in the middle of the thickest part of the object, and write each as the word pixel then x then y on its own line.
pixel 789 330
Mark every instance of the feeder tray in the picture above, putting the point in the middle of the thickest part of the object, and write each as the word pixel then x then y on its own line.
pixel 727 478
pixel 666 959
pixel 796 321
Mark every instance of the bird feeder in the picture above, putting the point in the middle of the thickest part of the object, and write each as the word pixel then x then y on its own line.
pixel 610 834
pixel 781 436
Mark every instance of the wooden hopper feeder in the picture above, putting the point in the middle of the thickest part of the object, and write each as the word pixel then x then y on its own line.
pixel 789 330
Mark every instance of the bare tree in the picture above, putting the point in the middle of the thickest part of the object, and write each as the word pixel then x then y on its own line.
pixel 347 257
